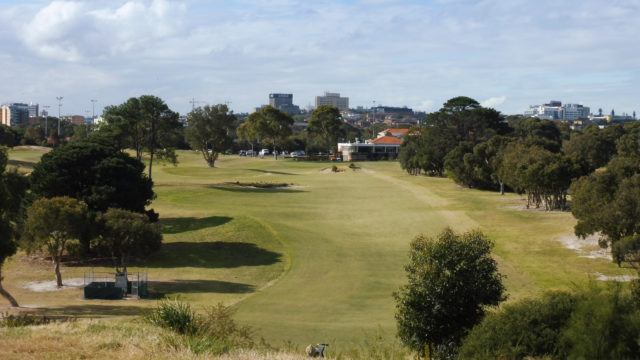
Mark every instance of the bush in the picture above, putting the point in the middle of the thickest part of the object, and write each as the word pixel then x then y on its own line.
pixel 215 332
pixel 174 315
pixel 596 323
pixel 352 166
pixel 531 327
pixel 334 168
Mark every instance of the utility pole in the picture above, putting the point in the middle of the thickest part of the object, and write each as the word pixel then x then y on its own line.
pixel 93 105
pixel 46 121
pixel 59 98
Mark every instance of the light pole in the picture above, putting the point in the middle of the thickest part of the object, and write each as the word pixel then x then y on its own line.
pixel 46 121
pixel 59 98
pixel 93 105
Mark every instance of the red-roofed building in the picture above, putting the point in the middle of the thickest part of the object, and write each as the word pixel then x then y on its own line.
pixel 385 146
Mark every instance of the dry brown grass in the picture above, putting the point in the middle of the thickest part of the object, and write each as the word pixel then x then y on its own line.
pixel 106 339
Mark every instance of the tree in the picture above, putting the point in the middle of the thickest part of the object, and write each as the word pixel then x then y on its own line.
pixel 12 190
pixel 608 202
pixel 53 224
pixel 451 279
pixel 210 131
pixel 596 146
pixel 144 124
pixel 269 124
pixel 8 136
pixel 126 233
pixel 326 123
pixel 97 173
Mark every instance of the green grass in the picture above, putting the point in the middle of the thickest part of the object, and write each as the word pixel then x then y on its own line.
pixel 318 261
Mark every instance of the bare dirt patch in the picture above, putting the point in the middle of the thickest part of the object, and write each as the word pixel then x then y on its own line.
pixel 45 286
pixel 587 247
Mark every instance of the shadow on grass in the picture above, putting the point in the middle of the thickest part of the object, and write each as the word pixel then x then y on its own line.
pixel 159 289
pixel 183 224
pixel 217 254
pixel 241 189
pixel 272 172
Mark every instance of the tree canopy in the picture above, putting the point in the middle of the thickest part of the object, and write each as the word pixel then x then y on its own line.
pixel 144 124
pixel 125 234
pixel 97 173
pixel 211 130
pixel 53 224
pixel 451 280
pixel 269 124
pixel 326 123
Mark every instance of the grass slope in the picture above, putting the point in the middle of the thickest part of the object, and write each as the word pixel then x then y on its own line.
pixel 317 261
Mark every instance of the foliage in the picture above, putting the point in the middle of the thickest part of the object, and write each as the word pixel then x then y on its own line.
pixel 175 315
pixel 593 323
pixel 596 146
pixel 326 123
pixel 215 332
pixel 543 133
pixel 604 325
pixel 451 280
pixel 8 136
pixel 608 202
pixel 145 124
pixel 268 124
pixel 96 173
pixel 12 190
pixel 126 233
pixel 13 321
pixel 210 131
pixel 528 328
pixel 53 224
pixel 543 175
pixel 426 151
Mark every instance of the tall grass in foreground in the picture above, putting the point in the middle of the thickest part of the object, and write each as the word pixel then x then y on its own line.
pixel 214 332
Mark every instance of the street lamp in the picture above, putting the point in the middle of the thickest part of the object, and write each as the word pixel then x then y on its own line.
pixel 59 98
pixel 93 105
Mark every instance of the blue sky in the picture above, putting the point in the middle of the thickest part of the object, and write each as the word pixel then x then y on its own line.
pixel 506 54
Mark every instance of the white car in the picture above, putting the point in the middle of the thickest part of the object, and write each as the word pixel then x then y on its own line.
pixel 264 152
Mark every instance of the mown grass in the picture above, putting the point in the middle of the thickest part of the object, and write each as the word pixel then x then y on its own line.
pixel 316 262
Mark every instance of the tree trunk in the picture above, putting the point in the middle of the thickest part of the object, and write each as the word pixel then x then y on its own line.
pixel 57 271
pixel 152 145
pixel 6 294
pixel 501 187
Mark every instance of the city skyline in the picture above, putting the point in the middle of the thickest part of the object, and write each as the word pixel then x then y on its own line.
pixel 506 55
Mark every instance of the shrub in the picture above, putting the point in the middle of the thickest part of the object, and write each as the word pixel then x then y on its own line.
pixel 596 323
pixel 214 332
pixel 531 327
pixel 334 168
pixel 352 166
pixel 174 315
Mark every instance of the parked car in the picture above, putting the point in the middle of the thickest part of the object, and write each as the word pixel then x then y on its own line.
pixel 298 153
pixel 243 153
pixel 264 152
pixel 250 152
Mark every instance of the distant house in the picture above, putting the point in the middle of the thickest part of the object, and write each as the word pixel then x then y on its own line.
pixel 399 133
pixel 386 145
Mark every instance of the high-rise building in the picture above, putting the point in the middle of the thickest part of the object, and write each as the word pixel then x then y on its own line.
pixel 554 110
pixel 14 114
pixel 333 99
pixel 284 102
pixel 33 110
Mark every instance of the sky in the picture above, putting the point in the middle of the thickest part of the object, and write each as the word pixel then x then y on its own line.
pixel 506 54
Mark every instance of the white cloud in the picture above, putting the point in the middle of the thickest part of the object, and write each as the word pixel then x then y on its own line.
pixel 494 102
pixel 398 53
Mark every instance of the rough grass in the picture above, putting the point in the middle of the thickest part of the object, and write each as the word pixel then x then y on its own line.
pixel 318 262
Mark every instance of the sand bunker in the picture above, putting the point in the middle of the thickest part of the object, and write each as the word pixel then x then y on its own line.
pixel 619 278
pixel 44 286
